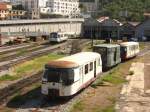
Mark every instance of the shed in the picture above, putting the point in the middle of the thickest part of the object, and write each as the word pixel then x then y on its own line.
pixel 101 28
pixel 143 30
pixel 128 29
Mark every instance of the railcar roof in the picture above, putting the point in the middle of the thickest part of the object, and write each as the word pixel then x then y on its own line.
pixel 74 60
pixel 129 43
pixel 107 45
pixel 61 64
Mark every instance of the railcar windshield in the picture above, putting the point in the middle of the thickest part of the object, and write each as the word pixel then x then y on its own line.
pixel 66 76
pixel 54 35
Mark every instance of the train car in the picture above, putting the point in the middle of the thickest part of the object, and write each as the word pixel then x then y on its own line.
pixel 67 76
pixel 110 54
pixel 58 37
pixel 129 50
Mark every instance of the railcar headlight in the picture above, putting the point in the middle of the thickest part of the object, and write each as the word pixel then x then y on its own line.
pixel 44 81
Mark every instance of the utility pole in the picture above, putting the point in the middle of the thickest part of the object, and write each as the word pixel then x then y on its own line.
pixel 92 35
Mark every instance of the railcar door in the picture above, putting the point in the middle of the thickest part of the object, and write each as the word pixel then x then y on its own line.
pixel 81 75
pixel 95 69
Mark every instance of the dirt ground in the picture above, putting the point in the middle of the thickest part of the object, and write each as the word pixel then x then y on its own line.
pixel 103 98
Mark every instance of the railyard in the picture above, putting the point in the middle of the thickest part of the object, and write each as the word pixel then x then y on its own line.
pixel 27 96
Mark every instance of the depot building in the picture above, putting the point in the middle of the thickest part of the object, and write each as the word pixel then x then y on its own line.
pixel 101 28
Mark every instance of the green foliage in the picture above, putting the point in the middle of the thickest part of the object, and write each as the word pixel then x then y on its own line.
pixel 114 77
pixel 135 9
pixel 78 106
pixel 98 82
pixel 8 77
pixel 109 109
pixel 29 67
pixel 35 65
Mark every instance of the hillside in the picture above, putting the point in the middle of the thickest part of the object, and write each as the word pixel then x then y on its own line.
pixel 131 10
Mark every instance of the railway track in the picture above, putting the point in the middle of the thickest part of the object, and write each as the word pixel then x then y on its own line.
pixel 39 104
pixel 7 91
pixel 21 52
pixel 7 64
pixel 60 105
pixel 7 49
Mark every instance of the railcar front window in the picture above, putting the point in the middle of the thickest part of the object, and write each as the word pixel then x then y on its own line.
pixel 52 75
pixel 53 35
pixel 65 76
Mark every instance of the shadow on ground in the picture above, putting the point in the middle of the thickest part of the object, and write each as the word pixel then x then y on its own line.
pixel 34 99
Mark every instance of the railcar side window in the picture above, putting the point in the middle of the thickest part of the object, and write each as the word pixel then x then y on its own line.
pixel 86 69
pixel 91 66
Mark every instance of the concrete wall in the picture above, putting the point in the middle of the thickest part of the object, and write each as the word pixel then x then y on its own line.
pixel 69 27
pixel 65 26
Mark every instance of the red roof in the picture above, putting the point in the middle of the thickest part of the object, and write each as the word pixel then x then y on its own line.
pixel 3 5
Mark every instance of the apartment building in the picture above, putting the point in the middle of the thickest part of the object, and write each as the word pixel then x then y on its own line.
pixel 61 7
pixel 33 7
pixel 6 12
pixel 89 7
pixel 15 1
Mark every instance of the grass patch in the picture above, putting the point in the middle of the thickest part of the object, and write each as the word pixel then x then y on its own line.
pixel 77 107
pixel 29 67
pixel 97 83
pixel 96 42
pixel 21 52
pixel 106 109
pixel 8 77
pixel 114 76
pixel 35 65
pixel 88 47
pixel 142 46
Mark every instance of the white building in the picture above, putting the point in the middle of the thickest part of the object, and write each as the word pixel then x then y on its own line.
pixel 89 6
pixel 16 1
pixel 61 7
pixel 33 7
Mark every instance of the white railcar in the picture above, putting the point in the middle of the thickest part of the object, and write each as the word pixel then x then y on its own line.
pixel 67 76
pixel 58 37
pixel 129 50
